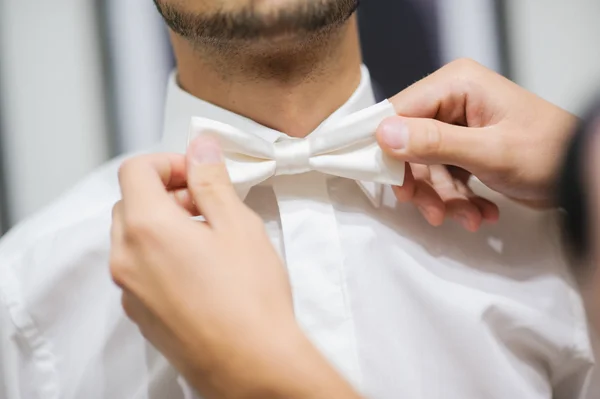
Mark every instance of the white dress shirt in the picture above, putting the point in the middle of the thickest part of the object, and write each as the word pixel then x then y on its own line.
pixel 402 309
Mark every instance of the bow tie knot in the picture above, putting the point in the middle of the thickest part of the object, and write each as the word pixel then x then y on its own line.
pixel 292 156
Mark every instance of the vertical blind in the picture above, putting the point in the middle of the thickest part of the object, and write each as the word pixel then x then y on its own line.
pixel 83 81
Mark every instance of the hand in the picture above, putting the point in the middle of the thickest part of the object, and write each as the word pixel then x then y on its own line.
pixel 466 119
pixel 213 297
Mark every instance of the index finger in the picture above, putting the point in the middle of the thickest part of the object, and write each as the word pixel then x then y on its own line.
pixel 444 95
pixel 146 180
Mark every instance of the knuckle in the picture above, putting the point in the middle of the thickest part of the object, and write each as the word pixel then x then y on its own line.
pixel 117 209
pixel 429 142
pixel 207 185
pixel 212 177
pixel 404 194
pixel 141 228
pixel 211 174
pixel 465 65
pixel 120 269
pixel 126 167
pixel 128 307
pixel 211 186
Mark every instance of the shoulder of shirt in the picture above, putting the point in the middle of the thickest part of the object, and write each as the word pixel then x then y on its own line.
pixel 90 199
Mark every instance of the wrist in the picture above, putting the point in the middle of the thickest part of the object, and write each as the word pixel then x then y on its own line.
pixel 277 365
pixel 295 369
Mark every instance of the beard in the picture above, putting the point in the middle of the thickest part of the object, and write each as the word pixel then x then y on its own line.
pixel 304 18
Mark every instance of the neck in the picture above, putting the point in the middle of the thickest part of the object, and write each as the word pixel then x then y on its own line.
pixel 287 86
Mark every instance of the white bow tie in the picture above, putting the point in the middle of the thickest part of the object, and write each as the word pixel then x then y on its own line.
pixel 347 148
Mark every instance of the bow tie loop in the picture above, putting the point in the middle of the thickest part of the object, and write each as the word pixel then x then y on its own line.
pixel 292 156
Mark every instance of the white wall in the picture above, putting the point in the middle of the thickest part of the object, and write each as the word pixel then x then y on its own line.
pixel 556 49
pixel 52 98
pixel 468 30
pixel 142 62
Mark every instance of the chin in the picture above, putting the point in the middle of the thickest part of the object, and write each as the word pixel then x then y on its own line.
pixel 276 6
pixel 273 4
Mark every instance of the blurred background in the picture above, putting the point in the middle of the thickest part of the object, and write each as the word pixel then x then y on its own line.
pixel 82 81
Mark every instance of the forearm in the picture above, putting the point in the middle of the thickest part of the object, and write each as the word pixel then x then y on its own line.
pixel 306 374
pixel 288 367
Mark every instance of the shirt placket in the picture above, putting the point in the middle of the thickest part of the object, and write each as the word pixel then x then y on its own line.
pixel 315 262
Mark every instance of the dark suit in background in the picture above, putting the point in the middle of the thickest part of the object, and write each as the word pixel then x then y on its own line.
pixel 399 41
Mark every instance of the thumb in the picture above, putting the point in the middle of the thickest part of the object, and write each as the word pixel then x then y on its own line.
pixel 429 142
pixel 209 183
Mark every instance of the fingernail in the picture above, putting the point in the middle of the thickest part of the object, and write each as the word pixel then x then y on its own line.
pixel 425 212
pixel 463 219
pixel 206 150
pixel 394 133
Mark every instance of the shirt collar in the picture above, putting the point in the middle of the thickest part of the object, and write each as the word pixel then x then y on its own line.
pixel 182 106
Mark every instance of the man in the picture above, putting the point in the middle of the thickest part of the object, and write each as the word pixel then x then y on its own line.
pixel 399 308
